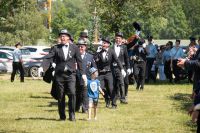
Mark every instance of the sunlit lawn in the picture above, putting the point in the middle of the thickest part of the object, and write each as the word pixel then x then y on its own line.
pixel 160 108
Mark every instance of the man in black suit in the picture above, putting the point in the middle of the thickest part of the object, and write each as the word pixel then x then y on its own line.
pixel 65 55
pixel 81 90
pixel 104 60
pixel 121 83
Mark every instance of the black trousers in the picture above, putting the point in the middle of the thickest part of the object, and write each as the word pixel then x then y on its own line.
pixel 66 86
pixel 149 74
pixel 119 86
pixel 176 70
pixel 17 66
pixel 126 82
pixel 81 96
pixel 106 81
pixel 167 70
pixel 139 73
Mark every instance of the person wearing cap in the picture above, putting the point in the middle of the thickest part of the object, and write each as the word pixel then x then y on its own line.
pixel 93 86
pixel 17 63
pixel 151 56
pixel 65 56
pixel 121 83
pixel 104 60
pixel 88 62
pixel 176 53
pixel 140 54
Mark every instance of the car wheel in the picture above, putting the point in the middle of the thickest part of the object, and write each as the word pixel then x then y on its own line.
pixel 33 72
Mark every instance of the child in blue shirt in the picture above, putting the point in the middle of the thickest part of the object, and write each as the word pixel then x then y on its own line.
pixel 93 86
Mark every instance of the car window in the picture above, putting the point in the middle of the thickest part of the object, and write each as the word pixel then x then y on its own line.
pixel 25 51
pixel 46 49
pixel 3 55
pixel 10 49
pixel 32 49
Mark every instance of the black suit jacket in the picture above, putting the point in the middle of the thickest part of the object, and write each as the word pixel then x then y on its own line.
pixel 57 56
pixel 123 56
pixel 88 62
pixel 111 57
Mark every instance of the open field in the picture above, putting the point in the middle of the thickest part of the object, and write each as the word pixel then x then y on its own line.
pixel 160 108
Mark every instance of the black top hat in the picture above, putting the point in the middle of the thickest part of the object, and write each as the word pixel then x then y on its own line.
pixel 83 34
pixel 65 32
pixel 137 26
pixel 17 44
pixel 106 39
pixel 120 34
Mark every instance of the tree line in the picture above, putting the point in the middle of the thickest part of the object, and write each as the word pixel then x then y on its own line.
pixel 164 19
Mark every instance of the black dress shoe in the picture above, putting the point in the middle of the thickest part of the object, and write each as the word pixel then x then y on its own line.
pixel 72 119
pixel 62 118
pixel 107 103
pixel 114 106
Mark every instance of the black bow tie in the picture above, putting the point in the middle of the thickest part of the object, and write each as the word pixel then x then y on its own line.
pixel 64 45
pixel 104 50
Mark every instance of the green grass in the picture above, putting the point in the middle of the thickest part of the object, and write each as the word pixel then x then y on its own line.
pixel 161 108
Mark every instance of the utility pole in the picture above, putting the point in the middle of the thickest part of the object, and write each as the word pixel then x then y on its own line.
pixel 95 27
pixel 49 14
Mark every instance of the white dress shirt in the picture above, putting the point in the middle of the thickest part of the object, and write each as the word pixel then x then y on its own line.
pixel 117 49
pixel 65 50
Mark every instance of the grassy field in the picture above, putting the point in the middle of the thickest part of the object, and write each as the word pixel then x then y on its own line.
pixel 160 108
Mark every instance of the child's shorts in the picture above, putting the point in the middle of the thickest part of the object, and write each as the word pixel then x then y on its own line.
pixel 93 101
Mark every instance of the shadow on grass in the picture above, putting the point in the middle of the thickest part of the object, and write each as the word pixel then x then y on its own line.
pixel 37 118
pixel 183 103
pixel 51 104
pixel 45 97
pixel 166 82
pixel 11 131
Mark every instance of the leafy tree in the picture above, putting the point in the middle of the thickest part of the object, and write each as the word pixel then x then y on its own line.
pixel 21 23
pixel 177 25
pixel 70 15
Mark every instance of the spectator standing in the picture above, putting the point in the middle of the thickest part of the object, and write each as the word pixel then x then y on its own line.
pixel 17 63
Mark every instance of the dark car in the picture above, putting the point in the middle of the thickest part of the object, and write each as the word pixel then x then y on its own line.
pixel 31 67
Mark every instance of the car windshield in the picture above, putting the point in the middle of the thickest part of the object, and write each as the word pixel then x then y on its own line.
pixel 25 51
pixel 46 49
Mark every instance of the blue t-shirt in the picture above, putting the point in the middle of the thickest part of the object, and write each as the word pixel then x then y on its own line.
pixel 93 88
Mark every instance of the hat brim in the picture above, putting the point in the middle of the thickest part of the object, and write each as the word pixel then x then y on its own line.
pixel 106 41
pixel 65 34
pixel 119 36
pixel 94 72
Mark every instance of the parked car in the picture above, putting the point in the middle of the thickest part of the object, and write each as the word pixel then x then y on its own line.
pixel 38 51
pixel 26 55
pixel 7 59
pixel 3 68
pixel 31 67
